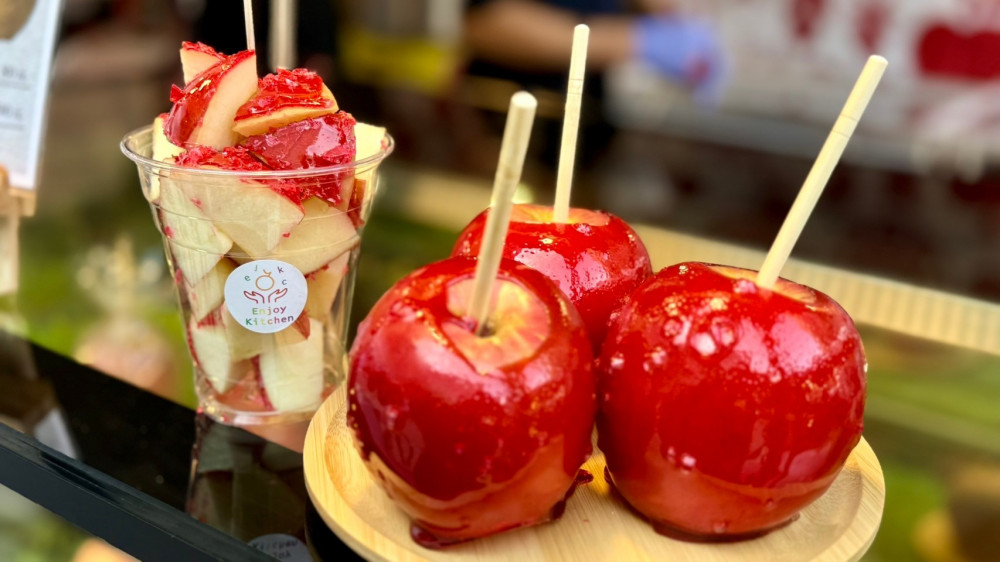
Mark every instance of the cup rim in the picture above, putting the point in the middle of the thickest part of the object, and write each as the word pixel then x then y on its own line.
pixel 388 145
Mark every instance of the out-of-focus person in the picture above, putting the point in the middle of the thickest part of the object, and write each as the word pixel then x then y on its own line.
pixel 529 41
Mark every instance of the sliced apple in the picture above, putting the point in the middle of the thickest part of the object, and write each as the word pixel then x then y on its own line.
pixel 254 216
pixel 324 233
pixel 207 294
pixel 292 373
pixel 211 352
pixel 245 343
pixel 163 151
pixel 197 58
pixel 204 110
pixel 367 142
pixel 284 97
pixel 323 285
pixel 195 243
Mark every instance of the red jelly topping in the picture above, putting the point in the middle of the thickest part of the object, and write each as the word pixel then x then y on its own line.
pixel 230 158
pixel 201 48
pixel 311 143
pixel 191 102
pixel 299 87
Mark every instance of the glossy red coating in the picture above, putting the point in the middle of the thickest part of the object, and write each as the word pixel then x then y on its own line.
pixel 286 88
pixel 192 101
pixel 467 453
pixel 596 258
pixel 726 408
pixel 201 48
pixel 229 158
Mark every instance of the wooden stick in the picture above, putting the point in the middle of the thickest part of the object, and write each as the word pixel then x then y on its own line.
pixel 513 149
pixel 283 33
pixel 820 173
pixel 571 123
pixel 248 23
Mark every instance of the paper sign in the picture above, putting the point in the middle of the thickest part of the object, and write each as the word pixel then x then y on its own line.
pixel 27 39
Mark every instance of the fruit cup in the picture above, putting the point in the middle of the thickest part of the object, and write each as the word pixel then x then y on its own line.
pixel 264 265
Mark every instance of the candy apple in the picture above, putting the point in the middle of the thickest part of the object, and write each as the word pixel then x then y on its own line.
pixel 204 110
pixel 291 372
pixel 284 97
pixel 726 408
pixel 323 234
pixel 595 258
pixel 256 215
pixel 472 435
pixel 211 353
pixel 197 58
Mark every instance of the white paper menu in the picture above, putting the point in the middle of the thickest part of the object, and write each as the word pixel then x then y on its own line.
pixel 25 67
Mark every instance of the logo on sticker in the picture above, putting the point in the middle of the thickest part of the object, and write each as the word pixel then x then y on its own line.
pixel 266 296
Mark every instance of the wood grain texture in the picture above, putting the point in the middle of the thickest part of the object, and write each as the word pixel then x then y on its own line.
pixel 839 526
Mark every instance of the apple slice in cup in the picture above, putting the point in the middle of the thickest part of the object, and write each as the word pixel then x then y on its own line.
pixel 284 97
pixel 253 215
pixel 245 343
pixel 162 151
pixel 195 243
pixel 203 112
pixel 208 293
pixel 212 354
pixel 323 285
pixel 197 58
pixel 324 233
pixel 291 372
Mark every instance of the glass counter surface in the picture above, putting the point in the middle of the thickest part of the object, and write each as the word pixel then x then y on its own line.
pixel 147 475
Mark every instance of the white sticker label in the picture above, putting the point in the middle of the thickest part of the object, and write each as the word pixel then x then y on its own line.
pixel 266 296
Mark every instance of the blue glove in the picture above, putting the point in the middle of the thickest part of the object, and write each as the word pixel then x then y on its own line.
pixel 685 50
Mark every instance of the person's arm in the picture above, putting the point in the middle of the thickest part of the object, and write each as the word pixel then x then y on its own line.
pixel 536 37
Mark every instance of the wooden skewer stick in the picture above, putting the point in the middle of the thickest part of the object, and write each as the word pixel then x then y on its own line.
pixel 248 22
pixel 513 149
pixel 820 173
pixel 571 123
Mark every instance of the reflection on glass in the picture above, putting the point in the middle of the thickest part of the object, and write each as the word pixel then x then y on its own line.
pixel 249 488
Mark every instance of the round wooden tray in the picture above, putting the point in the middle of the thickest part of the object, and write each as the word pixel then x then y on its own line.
pixel 841 525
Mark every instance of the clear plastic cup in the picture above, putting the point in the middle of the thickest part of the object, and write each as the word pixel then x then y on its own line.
pixel 265 282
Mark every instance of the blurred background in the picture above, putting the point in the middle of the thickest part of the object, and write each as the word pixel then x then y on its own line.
pixel 700 117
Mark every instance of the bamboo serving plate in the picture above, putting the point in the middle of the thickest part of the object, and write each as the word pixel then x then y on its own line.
pixel 597 526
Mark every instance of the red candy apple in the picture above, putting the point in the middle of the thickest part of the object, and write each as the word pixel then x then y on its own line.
pixel 472 435
pixel 726 408
pixel 595 258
